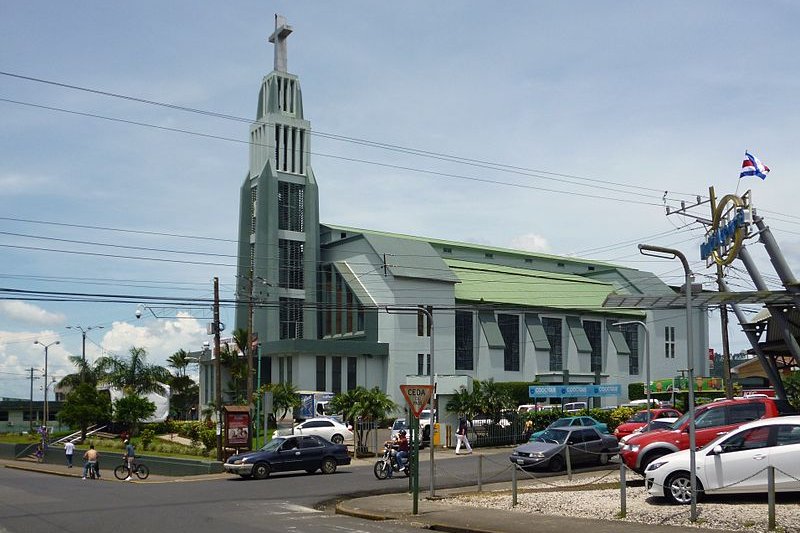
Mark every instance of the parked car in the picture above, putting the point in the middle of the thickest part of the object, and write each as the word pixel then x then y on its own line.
pixel 282 454
pixel 711 420
pixel 733 463
pixel 325 427
pixel 639 419
pixel 574 421
pixel 484 419
pixel 548 450
pixel 655 425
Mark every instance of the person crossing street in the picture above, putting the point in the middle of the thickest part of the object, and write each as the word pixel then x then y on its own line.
pixel 461 436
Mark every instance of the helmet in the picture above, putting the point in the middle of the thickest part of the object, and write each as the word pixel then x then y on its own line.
pixel 402 432
pixel 126 441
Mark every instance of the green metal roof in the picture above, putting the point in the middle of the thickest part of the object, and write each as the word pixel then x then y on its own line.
pixel 472 246
pixel 481 282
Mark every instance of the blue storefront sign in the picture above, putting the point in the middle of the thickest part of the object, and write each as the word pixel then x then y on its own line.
pixel 573 391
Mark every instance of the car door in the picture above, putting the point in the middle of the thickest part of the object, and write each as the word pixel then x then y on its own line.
pixel 784 457
pixel 741 464
pixel 289 456
pixel 710 424
pixel 311 450
pixel 577 450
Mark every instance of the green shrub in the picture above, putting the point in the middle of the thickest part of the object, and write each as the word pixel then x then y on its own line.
pixel 146 438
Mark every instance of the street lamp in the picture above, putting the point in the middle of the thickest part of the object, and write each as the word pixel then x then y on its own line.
pixel 646 358
pixel 670 253
pixel 83 334
pixel 46 347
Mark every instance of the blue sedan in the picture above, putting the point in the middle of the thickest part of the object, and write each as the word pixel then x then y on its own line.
pixel 283 454
pixel 574 421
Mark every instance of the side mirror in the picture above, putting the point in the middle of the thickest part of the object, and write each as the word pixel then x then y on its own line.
pixel 716 450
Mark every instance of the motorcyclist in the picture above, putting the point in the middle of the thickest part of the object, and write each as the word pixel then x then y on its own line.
pixel 399 450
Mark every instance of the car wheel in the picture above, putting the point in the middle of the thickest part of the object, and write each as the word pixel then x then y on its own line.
pixel 649 458
pixel 603 458
pixel 328 465
pixel 261 470
pixel 337 439
pixel 556 464
pixel 678 488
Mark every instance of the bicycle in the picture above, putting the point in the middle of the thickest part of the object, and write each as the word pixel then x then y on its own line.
pixel 141 470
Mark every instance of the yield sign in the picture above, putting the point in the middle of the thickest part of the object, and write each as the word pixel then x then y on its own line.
pixel 417 397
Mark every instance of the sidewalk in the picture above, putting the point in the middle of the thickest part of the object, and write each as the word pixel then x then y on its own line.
pixel 440 515
pixel 106 471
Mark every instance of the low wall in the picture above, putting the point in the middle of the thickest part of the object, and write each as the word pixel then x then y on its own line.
pixel 162 466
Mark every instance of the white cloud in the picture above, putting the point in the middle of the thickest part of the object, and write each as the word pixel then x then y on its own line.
pixel 29 313
pixel 12 183
pixel 530 242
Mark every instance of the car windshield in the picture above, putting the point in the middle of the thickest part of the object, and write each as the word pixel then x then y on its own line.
pixel 272 445
pixel 556 436
pixel 399 424
pixel 561 422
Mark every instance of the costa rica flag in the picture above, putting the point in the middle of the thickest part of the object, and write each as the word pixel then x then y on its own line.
pixel 752 166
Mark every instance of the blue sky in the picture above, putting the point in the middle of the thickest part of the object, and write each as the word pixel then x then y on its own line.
pixel 605 105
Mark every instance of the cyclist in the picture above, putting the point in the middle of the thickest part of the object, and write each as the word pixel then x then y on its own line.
pixel 130 453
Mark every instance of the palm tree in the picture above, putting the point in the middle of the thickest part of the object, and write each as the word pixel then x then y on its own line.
pixel 367 405
pixel 133 376
pixel 87 373
pixel 179 361
pixel 237 370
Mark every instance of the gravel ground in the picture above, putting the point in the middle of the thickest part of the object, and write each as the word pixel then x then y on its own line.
pixel 729 513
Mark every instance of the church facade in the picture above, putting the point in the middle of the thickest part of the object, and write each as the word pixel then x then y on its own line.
pixel 335 307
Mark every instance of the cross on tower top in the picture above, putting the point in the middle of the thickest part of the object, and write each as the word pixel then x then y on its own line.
pixel 278 37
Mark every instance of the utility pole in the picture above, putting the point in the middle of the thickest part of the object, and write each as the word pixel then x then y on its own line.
pixel 30 405
pixel 249 353
pixel 217 369
pixel 726 348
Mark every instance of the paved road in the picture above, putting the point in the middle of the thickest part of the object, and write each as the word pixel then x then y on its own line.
pixel 33 502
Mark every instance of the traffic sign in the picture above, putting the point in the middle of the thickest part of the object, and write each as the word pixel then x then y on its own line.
pixel 417 397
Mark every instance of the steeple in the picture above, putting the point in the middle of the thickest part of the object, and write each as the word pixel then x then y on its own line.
pixel 278 38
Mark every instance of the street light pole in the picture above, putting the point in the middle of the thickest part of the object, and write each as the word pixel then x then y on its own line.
pixel 646 359
pixel 217 370
pixel 46 348
pixel 429 314
pixel 670 253
pixel 83 335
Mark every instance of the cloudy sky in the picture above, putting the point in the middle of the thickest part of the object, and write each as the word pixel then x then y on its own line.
pixel 546 126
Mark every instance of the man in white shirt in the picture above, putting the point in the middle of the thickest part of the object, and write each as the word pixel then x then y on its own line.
pixel 69 450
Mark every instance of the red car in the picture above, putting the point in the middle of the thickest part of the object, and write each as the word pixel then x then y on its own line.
pixel 711 421
pixel 639 419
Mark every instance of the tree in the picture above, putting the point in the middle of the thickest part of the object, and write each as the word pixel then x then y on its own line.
pixel 366 405
pixel 131 410
pixel 465 403
pixel 284 397
pixel 85 406
pixel 494 399
pixel 87 373
pixel 133 376
pixel 179 361
pixel 184 395
pixel 792 385
pixel 237 370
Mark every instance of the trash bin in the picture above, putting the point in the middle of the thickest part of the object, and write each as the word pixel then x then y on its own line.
pixel 436 435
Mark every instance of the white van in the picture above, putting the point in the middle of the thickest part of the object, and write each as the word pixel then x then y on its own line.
pixel 574 407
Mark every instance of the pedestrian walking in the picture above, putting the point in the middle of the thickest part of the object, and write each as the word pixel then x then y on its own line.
pixel 69 451
pixel 461 436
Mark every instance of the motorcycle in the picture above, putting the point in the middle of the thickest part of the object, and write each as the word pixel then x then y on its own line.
pixel 389 460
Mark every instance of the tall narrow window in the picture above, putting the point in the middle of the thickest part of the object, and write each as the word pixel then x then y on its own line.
pixel 281 369
pixel 289 370
pixel 424 322
pixel 631 334
pixel 277 146
pixel 336 374
pixel 593 331
pixel 291 263
pixel 291 200
pixel 465 347
pixel 291 318
pixel 352 365
pixel 253 199
pixel 327 287
pixel 669 342
pixel 265 366
pixel 552 328
pixel 423 364
pixel 321 373
pixel 509 328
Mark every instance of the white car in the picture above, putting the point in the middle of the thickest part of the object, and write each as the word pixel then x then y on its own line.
pixel 733 463
pixel 324 427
